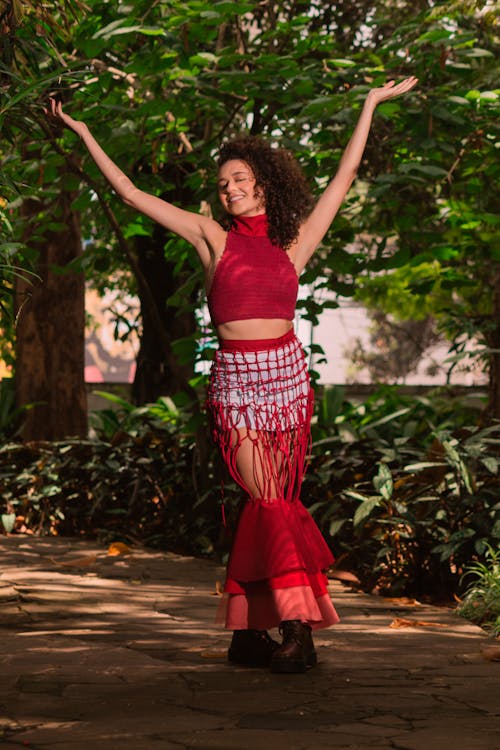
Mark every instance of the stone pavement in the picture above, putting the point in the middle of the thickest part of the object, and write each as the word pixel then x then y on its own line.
pixel 102 652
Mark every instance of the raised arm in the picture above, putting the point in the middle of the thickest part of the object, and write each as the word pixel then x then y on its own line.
pixel 201 231
pixel 318 222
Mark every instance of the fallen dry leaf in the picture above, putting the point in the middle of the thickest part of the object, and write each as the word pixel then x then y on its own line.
pixel 343 575
pixel 398 622
pixel 213 654
pixel 491 653
pixel 119 548
pixel 403 601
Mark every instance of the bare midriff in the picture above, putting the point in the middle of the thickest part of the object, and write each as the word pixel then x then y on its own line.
pixel 255 328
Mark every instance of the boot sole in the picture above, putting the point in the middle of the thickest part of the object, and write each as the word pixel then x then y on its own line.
pixel 287 667
pixel 294 667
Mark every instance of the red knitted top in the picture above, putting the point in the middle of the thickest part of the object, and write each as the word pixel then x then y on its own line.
pixel 254 278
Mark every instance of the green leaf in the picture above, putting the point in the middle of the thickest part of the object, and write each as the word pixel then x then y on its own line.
pixel 479 52
pixel 340 62
pixel 136 229
pixel 491 463
pixel 461 100
pixel 382 482
pixel 385 419
pixel 419 465
pixel 8 521
pixel 434 35
pixel 203 58
pixel 365 509
pixel 457 461
pixel 335 526
pixel 115 400
pixel 115 27
pixel 357 495
pixel 50 490
pixel 429 170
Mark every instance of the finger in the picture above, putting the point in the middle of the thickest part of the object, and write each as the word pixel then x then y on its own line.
pixel 406 85
pixel 407 81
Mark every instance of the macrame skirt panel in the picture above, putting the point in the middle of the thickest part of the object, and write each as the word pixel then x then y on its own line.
pixel 261 405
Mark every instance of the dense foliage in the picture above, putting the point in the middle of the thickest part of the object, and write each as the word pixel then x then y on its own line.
pixel 161 84
pixel 130 482
pixel 406 487
pixel 406 490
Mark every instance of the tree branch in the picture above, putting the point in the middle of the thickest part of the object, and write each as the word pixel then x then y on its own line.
pixel 115 226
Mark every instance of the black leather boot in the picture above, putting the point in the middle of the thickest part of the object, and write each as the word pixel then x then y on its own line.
pixel 297 651
pixel 253 648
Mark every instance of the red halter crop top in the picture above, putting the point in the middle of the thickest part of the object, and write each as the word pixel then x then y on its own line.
pixel 254 278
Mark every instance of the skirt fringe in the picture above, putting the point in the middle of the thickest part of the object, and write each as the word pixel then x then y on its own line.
pixel 260 393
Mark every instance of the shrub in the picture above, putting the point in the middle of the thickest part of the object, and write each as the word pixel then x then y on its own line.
pixel 132 481
pixel 405 500
pixel 481 603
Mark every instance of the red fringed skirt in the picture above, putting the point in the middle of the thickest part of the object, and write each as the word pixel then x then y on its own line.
pixel 261 405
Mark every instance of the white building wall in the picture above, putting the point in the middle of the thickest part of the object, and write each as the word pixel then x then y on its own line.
pixel 114 361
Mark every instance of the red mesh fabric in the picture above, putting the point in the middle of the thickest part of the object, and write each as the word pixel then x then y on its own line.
pixel 263 396
pixel 253 278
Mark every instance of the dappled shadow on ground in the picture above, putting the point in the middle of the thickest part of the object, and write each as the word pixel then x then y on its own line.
pixel 122 652
pixel 77 589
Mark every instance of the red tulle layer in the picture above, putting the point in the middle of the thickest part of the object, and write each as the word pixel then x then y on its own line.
pixel 317 582
pixel 277 540
pixel 266 608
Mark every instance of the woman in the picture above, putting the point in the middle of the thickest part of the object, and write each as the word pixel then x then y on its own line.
pixel 259 392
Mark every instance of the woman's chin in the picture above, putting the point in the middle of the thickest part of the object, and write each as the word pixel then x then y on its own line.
pixel 245 211
pixel 235 209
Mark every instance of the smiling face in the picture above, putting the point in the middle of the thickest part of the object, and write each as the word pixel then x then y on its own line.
pixel 237 189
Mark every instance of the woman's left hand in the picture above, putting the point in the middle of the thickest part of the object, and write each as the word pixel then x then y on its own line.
pixel 391 90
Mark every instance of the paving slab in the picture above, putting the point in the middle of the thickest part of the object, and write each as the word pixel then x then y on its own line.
pixel 119 652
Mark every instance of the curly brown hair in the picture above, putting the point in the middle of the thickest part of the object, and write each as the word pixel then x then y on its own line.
pixel 277 173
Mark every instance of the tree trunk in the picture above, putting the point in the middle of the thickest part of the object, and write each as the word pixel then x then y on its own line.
pixel 493 339
pixel 159 371
pixel 50 330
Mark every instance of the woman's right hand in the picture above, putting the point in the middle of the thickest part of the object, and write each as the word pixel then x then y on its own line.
pixel 55 110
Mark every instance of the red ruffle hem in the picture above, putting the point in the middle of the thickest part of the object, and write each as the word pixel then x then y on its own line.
pixel 259 391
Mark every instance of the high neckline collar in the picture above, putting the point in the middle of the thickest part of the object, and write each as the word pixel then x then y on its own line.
pixel 251 226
